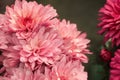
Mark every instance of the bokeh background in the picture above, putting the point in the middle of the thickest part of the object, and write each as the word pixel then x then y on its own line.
pixel 84 13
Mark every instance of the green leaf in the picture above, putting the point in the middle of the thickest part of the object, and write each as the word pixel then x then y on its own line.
pixel 96 72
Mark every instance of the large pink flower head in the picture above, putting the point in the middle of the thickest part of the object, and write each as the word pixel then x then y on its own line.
pixel 110 21
pixel 25 16
pixel 115 66
pixel 45 47
pixel 66 70
pixel 75 42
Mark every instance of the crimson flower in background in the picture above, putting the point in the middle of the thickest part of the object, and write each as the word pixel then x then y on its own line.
pixel 110 21
pixel 115 66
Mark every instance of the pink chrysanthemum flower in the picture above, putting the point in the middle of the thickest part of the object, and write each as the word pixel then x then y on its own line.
pixel 22 74
pixel 75 42
pixel 66 70
pixel 115 66
pixel 25 16
pixel 110 21
pixel 45 47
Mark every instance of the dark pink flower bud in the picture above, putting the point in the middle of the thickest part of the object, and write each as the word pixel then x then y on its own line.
pixel 105 55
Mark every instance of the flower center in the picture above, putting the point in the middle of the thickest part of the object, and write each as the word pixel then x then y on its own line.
pixel 27 21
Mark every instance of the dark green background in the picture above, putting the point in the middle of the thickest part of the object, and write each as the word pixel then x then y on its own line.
pixel 84 13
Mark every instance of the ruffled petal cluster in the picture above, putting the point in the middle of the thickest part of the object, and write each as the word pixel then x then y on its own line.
pixel 63 70
pixel 45 47
pixel 75 42
pixel 67 70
